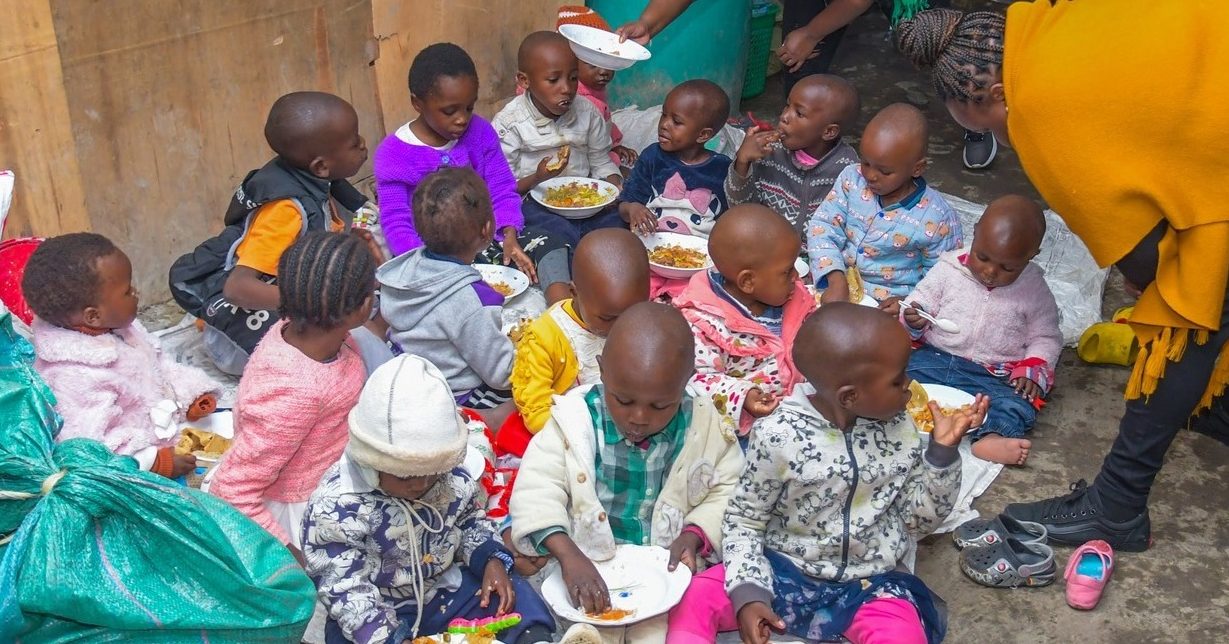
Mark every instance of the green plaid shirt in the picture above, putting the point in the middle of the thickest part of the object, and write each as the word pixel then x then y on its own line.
pixel 629 477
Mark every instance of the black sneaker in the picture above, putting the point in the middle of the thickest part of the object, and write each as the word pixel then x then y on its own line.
pixel 980 149
pixel 1076 518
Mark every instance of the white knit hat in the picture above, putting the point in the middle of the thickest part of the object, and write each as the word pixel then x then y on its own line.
pixel 406 421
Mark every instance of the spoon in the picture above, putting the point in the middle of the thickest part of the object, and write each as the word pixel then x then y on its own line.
pixel 945 325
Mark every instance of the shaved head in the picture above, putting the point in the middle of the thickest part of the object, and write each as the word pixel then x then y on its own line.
pixel 610 273
pixel 749 235
pixel 1013 223
pixel 902 124
pixel 652 341
pixel 535 42
pixel 305 125
pixel 841 342
pixel 838 96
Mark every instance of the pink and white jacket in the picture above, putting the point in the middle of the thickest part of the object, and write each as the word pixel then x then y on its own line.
pixel 734 353
pixel 1012 330
pixel 118 388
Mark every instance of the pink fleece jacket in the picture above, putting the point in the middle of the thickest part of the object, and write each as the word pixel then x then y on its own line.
pixel 291 425
pixel 105 386
pixel 734 353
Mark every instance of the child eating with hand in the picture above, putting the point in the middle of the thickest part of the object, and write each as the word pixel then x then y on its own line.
pixel 837 488
pixel 112 382
pixel 546 133
pixel 637 459
pixel 1008 342
pixel 792 168
pixel 745 313
pixel 881 220
pixel 677 184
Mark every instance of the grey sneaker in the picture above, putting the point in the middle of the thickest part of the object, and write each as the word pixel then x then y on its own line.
pixel 1009 564
pixel 980 149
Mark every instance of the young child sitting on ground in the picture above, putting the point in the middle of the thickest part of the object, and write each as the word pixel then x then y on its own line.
pixel 559 350
pixel 792 168
pixel 302 380
pixel 443 90
pixel 813 544
pixel 111 381
pixel 745 313
pixel 396 537
pixel 677 185
pixel 593 80
pixel 1008 342
pixel 881 219
pixel 546 132
pixel 437 305
pixel 230 281
pixel 637 459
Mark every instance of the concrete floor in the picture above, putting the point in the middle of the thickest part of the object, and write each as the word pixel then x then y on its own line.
pixel 1169 593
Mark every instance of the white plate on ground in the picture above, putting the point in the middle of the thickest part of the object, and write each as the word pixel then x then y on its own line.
pixel 867 300
pixel 602 48
pixel 687 241
pixel 947 397
pixel 607 189
pixel 638 581
pixel 494 274
pixel 802 267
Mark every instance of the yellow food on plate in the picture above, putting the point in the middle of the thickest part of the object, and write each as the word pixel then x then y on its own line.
pixel 577 194
pixel 612 615
pixel 919 409
pixel 503 288
pixel 194 440
pixel 676 256
pixel 856 289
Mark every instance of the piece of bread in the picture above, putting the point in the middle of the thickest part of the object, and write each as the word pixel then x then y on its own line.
pixel 561 159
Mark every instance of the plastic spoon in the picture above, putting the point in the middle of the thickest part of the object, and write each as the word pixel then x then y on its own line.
pixel 945 325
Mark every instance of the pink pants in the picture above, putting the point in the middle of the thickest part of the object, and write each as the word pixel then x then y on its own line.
pixel 706 610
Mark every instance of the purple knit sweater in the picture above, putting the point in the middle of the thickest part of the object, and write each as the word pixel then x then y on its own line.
pixel 400 166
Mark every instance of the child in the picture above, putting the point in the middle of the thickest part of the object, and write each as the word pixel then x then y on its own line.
pixel 436 304
pixel 677 185
pixel 745 313
pixel 1009 342
pixel 881 219
pixel 791 169
pixel 637 459
pixel 546 126
pixel 230 281
pixel 592 81
pixel 302 380
pixel 443 90
pixel 395 537
pixel 111 381
pixel 837 488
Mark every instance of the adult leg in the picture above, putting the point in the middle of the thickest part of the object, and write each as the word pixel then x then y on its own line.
pixel 704 611
pixel 886 621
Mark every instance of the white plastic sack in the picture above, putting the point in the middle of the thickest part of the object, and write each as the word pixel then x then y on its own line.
pixel 6 196
pixel 639 129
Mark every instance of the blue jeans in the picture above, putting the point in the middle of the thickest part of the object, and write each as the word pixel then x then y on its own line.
pixel 1010 413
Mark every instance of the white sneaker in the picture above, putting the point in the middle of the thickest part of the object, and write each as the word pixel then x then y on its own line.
pixel 582 634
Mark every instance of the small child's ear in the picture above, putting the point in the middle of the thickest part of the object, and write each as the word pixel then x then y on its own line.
pixel 416 103
pixel 91 316
pixel 522 80
pixel 319 166
pixel 745 281
pixel 846 396
pixel 832 132
pixel 919 168
pixel 706 134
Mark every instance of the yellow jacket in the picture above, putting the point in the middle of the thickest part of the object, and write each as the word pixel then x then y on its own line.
pixel 545 366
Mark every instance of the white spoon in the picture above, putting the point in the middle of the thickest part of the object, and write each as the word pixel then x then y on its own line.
pixel 945 325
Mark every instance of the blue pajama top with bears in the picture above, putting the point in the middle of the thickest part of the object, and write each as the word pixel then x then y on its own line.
pixel 686 199
pixel 892 246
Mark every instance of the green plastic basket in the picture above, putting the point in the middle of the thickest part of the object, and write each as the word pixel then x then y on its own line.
pixel 763 19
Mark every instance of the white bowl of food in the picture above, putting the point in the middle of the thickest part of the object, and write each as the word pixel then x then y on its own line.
pixel 676 256
pixel 574 197
pixel 602 48
pixel 506 280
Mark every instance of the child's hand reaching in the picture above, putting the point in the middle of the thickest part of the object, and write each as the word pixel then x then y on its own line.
pixel 201 407
pixel 638 217
pixel 627 156
pixel 1027 389
pixel 544 171
pixel 756 623
pixel 495 580
pixel 586 588
pixel 182 465
pixel 759 404
pixel 684 550
pixel 950 429
pixel 838 288
pixel 514 254
pixel 757 144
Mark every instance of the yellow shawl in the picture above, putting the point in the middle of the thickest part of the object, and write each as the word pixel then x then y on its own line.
pixel 1119 111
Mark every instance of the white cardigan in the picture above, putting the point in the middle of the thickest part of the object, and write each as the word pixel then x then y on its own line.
pixel 556 483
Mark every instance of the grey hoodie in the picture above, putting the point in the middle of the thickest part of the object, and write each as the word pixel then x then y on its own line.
pixel 441 310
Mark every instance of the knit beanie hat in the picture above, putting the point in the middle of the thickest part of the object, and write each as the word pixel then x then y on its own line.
pixel 581 15
pixel 406 421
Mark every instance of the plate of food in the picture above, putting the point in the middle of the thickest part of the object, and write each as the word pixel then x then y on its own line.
pixel 950 399
pixel 639 584
pixel 574 197
pixel 602 48
pixel 507 281
pixel 676 256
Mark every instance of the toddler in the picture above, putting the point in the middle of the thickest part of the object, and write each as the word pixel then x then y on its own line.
pixel 1009 341
pixel 593 80
pixel 559 350
pixel 637 459
pixel 436 304
pixel 745 313
pixel 837 488
pixel 881 219
pixel 230 281
pixel 299 386
pixel 395 536
pixel 546 133
pixel 791 169
pixel 111 381
pixel 676 184
pixel 447 133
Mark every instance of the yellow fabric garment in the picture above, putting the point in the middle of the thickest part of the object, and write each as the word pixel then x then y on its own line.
pixel 545 365
pixel 1119 112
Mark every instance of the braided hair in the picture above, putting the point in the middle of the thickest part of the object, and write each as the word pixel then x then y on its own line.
pixel 964 50
pixel 440 59
pixel 323 278
pixel 451 206
pixel 61 277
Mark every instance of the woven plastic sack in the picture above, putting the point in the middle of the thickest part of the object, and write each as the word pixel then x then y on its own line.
pixel 97 550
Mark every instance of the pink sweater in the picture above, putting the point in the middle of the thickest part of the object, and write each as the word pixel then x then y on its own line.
pixel 291 425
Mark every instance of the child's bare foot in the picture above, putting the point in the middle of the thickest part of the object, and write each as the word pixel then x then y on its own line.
pixel 1000 449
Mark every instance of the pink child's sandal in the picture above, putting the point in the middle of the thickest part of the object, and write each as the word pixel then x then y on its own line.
pixel 1088 571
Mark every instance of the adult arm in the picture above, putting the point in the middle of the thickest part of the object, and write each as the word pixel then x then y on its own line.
pixel 799 44
pixel 656 16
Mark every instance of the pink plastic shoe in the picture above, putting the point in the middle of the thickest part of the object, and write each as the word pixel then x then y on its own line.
pixel 1088 571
